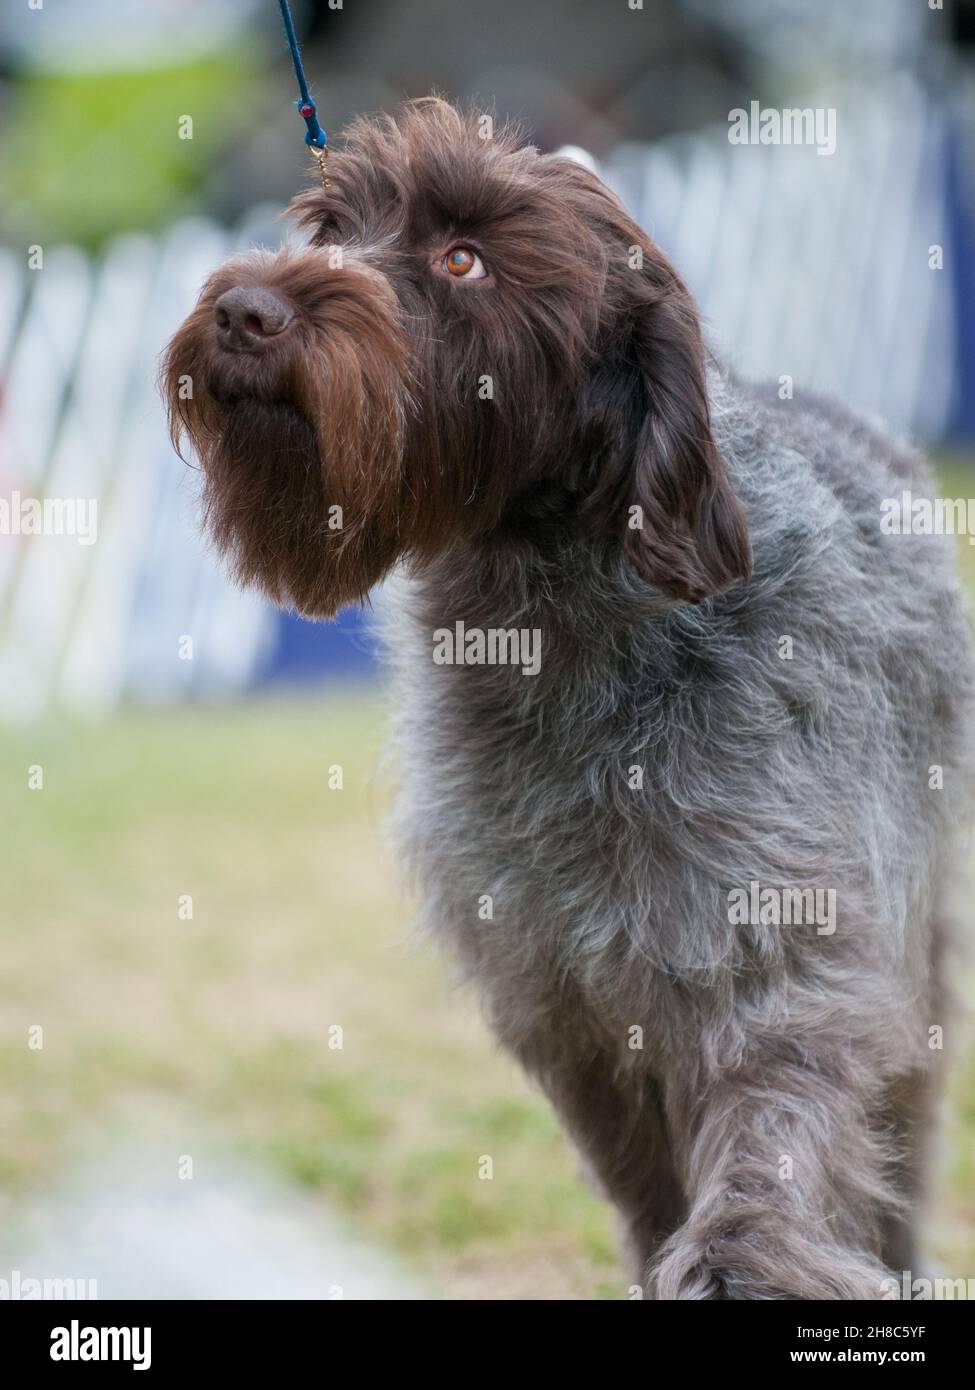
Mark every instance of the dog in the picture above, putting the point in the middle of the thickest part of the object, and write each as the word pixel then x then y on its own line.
pixel 751 701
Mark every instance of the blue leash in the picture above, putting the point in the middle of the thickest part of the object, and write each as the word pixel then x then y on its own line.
pixel 315 137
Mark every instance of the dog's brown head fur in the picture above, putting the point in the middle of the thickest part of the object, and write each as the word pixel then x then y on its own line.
pixel 468 338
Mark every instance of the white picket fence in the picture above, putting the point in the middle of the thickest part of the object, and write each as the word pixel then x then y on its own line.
pixel 807 266
pixel 85 626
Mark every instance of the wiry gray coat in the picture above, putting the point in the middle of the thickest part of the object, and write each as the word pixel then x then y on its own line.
pixel 756 1100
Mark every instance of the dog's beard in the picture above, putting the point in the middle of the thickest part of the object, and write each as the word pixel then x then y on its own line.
pixel 301 447
pixel 270 506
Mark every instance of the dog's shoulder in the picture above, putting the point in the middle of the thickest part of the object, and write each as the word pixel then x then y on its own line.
pixel 843 446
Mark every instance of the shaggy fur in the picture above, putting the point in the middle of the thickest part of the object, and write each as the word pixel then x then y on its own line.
pixel 756 1099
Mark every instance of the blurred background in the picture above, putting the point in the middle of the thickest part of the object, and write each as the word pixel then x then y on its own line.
pixel 246 1084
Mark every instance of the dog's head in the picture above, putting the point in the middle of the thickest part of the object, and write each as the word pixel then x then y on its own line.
pixel 474 330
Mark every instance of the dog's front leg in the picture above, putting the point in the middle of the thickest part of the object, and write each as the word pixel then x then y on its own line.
pixel 615 1118
pixel 785 1181
pixel 619 1129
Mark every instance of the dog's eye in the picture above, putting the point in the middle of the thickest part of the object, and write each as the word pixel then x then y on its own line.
pixel 463 264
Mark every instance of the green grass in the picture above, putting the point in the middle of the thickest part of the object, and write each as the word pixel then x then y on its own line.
pixel 298 924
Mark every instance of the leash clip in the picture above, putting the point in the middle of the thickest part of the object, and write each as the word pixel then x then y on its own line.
pixel 315 137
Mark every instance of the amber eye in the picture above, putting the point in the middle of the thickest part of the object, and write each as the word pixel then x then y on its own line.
pixel 463 264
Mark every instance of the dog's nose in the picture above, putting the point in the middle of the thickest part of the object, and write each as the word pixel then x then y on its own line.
pixel 249 317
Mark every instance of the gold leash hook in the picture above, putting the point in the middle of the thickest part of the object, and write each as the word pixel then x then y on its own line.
pixel 321 156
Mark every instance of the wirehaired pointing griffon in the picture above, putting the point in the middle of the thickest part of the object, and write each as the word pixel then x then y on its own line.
pixel 749 700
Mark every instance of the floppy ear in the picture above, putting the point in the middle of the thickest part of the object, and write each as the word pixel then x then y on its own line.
pixel 662 483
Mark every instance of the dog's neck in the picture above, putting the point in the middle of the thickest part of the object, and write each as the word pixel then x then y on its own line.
pixel 543 566
pixel 542 574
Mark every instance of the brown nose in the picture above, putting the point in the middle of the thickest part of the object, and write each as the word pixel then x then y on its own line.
pixel 249 317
